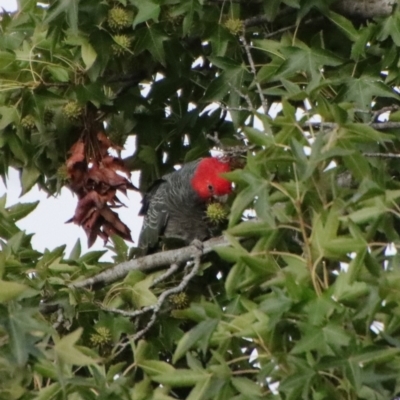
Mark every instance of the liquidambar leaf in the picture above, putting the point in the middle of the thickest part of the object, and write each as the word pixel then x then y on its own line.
pixel 67 352
pixel 10 290
pixel 180 378
pixel 203 330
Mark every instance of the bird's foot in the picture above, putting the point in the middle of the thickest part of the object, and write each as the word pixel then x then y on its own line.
pixel 198 244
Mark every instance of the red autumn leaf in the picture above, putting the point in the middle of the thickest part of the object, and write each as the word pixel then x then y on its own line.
pixel 116 164
pixel 92 200
pixel 109 177
pixel 106 143
pixel 92 227
pixel 113 219
pixel 77 154
pixel 96 188
pixel 109 230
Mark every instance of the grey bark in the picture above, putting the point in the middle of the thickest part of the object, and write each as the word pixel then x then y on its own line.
pixel 365 8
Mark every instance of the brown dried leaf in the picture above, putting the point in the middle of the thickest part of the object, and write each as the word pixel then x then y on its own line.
pixel 106 143
pixel 77 152
pixel 109 177
pixel 85 205
pixel 113 219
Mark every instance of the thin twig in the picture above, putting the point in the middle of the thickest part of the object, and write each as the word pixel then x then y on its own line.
pixel 332 125
pixel 257 20
pixel 383 110
pixel 149 263
pixel 171 270
pixel 382 155
pixel 245 97
pixel 288 28
pixel 215 139
pixel 254 71
pixel 164 295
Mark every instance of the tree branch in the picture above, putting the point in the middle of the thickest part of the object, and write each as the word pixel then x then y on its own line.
pixel 376 125
pixel 164 295
pixel 149 263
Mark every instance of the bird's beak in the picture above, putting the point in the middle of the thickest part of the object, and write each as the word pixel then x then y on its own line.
pixel 221 199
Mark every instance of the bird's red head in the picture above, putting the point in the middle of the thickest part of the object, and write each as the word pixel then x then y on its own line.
pixel 207 180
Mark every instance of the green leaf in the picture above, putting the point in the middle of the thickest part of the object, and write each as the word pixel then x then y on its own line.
pixel 230 254
pixel 200 389
pixel 17 148
pixel 89 54
pixel 59 74
pixel 345 245
pixel 21 210
pixel 146 10
pixel 390 27
pixel 142 296
pixel 7 228
pixel 11 290
pixel 69 7
pixel 202 331
pixel 8 115
pixel 362 90
pixel 49 392
pixel 76 251
pixel 375 356
pixel 153 367
pixel 257 137
pixel 67 352
pixel 365 214
pixel 30 175
pixel 181 378
pixel 151 38
pixel 251 228
pixel 260 266
pixel 344 25
pixel 312 340
pixel 306 59
pixel 246 386
pixel 245 199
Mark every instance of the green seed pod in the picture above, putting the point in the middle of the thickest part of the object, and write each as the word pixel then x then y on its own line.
pixel 216 213
pixel 179 301
pixel 235 26
pixel 121 45
pixel 118 18
pixel 72 110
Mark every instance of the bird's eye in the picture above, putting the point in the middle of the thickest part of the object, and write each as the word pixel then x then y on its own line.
pixel 210 188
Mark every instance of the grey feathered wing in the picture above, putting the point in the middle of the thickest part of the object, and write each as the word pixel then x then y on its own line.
pixel 155 215
pixel 170 201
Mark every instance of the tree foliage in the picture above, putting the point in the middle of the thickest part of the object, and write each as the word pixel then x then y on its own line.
pixel 302 300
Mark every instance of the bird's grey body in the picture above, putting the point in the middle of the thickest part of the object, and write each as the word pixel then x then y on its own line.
pixel 172 209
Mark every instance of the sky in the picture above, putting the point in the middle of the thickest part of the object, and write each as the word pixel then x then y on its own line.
pixel 8 5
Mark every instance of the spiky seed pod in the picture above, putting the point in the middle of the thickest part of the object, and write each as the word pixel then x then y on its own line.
pixel 72 110
pixel 179 301
pixel 121 45
pixel 235 26
pixel 216 213
pixel 28 122
pixel 101 337
pixel 119 19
